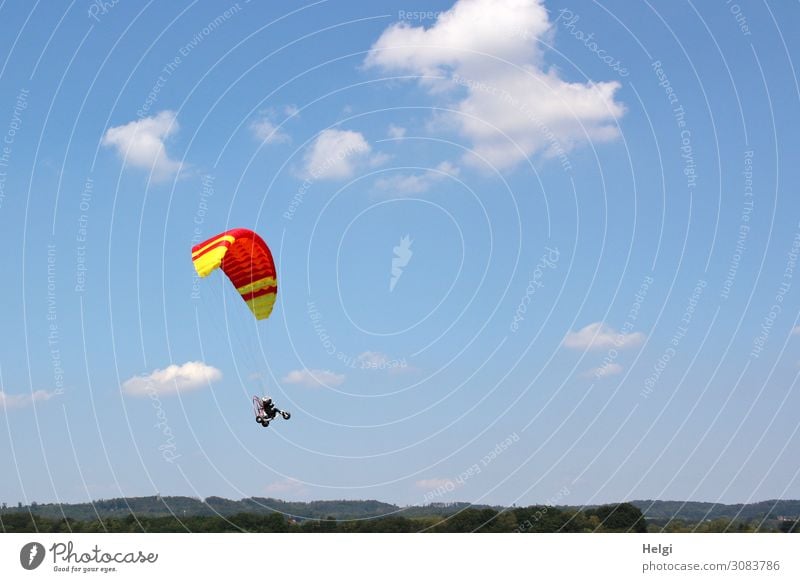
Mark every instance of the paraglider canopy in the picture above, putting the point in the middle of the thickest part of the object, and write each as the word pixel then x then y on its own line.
pixel 247 261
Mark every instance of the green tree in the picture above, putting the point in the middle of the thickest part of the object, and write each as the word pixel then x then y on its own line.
pixel 329 524
pixel 468 520
pixel 622 517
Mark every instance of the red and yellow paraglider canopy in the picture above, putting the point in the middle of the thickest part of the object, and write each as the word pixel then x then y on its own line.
pixel 245 258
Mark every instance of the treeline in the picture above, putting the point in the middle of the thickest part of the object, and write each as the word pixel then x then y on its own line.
pixel 158 506
pixel 623 517
pixel 726 525
pixel 186 514
pixel 668 514
pixel 699 511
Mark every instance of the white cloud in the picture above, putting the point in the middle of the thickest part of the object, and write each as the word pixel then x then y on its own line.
pixel 598 336
pixel 404 184
pixel 435 483
pixel 494 68
pixel 20 400
pixel 796 330
pixel 448 168
pixel 291 110
pixel 313 378
pixel 372 359
pixel 266 131
pixel 172 379
pixel 141 144
pixel 416 183
pixel 610 369
pixel 396 131
pixel 286 487
pixel 337 153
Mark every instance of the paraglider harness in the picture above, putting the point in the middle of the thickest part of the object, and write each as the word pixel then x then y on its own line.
pixel 265 411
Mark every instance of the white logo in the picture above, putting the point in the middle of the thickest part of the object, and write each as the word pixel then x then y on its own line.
pixel 402 255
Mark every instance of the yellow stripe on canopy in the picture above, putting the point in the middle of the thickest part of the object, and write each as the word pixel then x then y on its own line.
pixel 262 306
pixel 256 285
pixel 216 241
pixel 206 263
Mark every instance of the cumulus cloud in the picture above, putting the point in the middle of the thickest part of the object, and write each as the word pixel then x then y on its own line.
pixel 599 336
pixel 313 378
pixel 337 153
pixel 172 379
pixel 610 369
pixel 20 400
pixel 141 144
pixel 416 183
pixel 493 68
pixel 265 130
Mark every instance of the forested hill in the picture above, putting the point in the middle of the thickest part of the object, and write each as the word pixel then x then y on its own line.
pixel 695 511
pixel 654 511
pixel 158 506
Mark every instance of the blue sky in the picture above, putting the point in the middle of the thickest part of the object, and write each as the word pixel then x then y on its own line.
pixel 527 250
